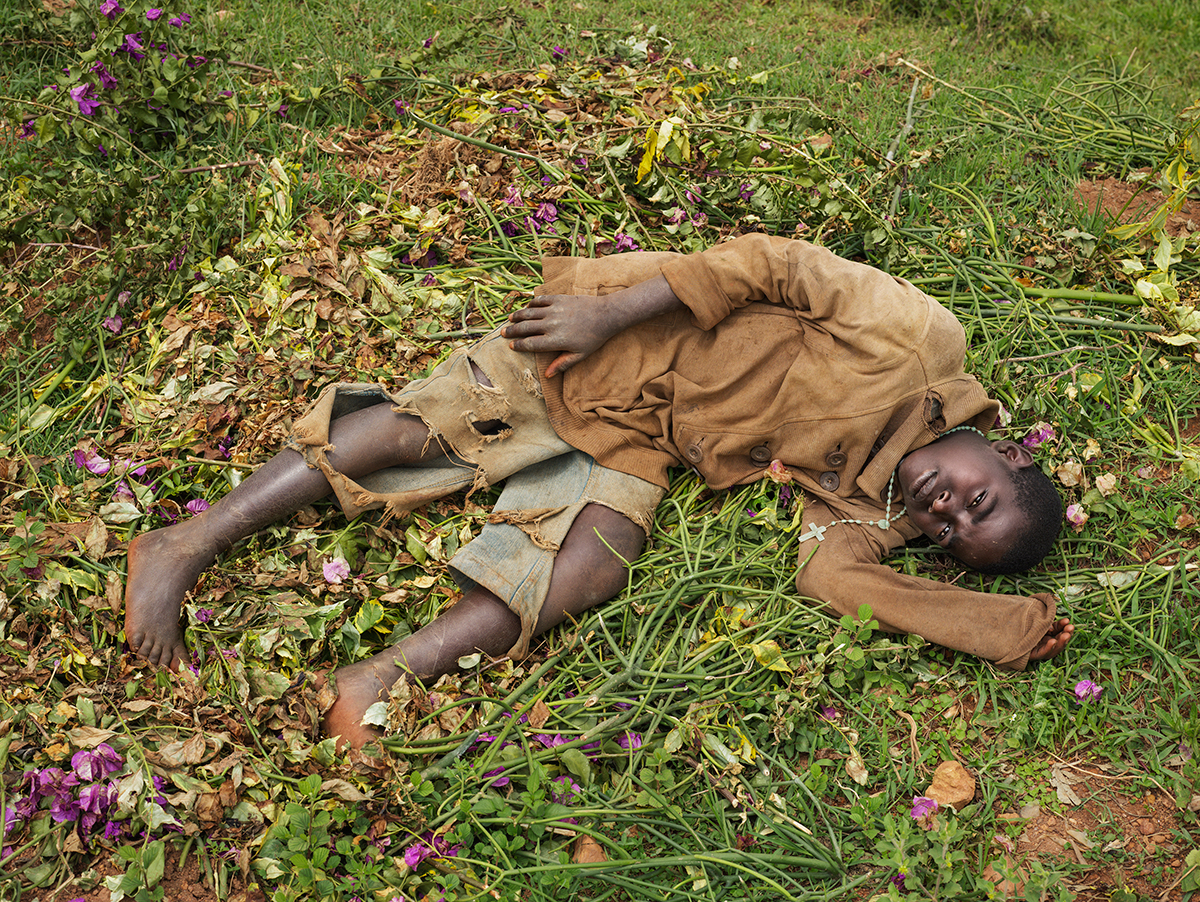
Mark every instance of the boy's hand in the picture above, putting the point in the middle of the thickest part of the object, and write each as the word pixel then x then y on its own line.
pixel 1055 640
pixel 575 326
pixel 578 325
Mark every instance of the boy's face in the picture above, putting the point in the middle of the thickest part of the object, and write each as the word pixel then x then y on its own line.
pixel 959 492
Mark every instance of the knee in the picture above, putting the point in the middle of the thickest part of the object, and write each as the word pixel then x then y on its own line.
pixel 612 536
pixel 597 549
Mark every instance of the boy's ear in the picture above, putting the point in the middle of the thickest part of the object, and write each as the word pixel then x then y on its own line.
pixel 1018 455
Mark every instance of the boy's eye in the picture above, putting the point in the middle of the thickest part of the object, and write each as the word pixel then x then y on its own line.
pixel 945 532
pixel 978 500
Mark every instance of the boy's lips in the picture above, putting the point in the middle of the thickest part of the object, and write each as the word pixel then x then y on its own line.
pixel 923 486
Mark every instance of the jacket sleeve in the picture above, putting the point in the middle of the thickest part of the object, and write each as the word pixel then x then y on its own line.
pixel 844 296
pixel 842 571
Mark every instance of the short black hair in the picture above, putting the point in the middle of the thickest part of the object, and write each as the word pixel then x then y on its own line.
pixel 1042 506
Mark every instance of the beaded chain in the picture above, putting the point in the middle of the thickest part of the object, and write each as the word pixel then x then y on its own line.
pixel 888 519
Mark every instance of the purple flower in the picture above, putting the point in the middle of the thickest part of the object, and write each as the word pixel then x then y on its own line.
pixel 24 807
pixel 549 741
pixel 92 462
pixel 159 783
pixel 27 129
pixel 428 42
pixel 282 111
pixel 123 490
pixel 428 846
pixel 113 830
pixel 96 764
pixel 95 801
pixel 106 80
pixel 224 445
pixel 624 243
pixel 1038 436
pixel 153 14
pixel 546 212
pixel 512 195
pixel 1087 691
pixel 84 96
pixel 110 9
pixel 65 807
pixel 429 281
pixel 113 324
pixel 558 53
pixel 136 467
pixel 204 615
pixel 898 879
pixel 197 506
pixel 402 106
pixel 563 790
pixel 923 810
pixel 829 712
pixel 180 20
pixel 133 46
pixel 630 740
pixel 336 570
pixel 745 192
pixel 499 781
pixel 1076 515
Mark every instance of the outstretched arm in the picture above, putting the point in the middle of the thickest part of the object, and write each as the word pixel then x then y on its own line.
pixel 575 326
pixel 843 570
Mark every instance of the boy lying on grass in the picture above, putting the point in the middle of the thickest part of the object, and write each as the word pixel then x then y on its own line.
pixel 761 354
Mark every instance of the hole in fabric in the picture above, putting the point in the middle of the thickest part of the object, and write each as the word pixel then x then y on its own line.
pixel 490 427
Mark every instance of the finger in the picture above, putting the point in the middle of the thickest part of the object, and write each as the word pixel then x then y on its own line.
pixel 562 363
pixel 524 329
pixel 526 313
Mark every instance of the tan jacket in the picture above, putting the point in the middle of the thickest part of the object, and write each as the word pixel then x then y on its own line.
pixel 790 352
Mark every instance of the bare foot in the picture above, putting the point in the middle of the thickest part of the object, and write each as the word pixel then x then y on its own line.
pixel 358 687
pixel 163 566
pixel 1056 639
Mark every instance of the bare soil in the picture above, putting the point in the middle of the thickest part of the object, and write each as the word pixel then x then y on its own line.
pixel 1125 202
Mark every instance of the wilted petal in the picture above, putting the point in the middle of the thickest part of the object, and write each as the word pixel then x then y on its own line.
pixel 1076 515
pixel 336 570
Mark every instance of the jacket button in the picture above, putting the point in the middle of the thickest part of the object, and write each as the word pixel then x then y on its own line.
pixel 694 454
pixel 760 454
pixel 835 459
pixel 829 481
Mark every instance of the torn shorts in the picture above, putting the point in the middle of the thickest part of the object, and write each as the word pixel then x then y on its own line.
pixel 546 481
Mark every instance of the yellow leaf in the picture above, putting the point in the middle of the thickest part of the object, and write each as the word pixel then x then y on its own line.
pixel 651 146
pixel 770 655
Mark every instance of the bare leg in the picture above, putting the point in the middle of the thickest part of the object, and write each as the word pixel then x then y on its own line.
pixel 164 564
pixel 586 572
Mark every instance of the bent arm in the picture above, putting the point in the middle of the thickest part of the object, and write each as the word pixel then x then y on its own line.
pixel 576 326
pixel 843 572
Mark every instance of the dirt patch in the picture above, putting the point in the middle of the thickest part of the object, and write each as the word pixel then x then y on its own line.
pixel 1122 202
pixel 180 884
pixel 1121 841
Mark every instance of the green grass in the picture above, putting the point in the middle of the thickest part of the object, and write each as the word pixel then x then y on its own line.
pixel 741 788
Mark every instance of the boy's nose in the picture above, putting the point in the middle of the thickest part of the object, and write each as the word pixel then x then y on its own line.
pixel 941 503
